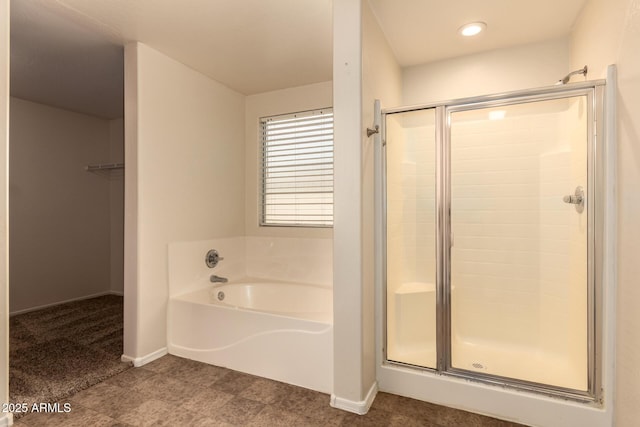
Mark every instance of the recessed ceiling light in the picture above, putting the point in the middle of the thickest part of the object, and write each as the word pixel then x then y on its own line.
pixel 472 29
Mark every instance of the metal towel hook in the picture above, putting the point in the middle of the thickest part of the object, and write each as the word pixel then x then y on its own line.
pixel 373 131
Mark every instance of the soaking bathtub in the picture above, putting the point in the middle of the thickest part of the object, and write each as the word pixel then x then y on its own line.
pixel 281 331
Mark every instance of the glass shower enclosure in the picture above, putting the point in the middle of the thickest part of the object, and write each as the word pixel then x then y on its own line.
pixel 491 231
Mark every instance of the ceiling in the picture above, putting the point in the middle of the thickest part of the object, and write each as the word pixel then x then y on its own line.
pixel 68 53
pixel 58 62
pixel 421 31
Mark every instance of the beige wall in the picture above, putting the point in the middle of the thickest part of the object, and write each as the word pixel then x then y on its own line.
pixel 348 386
pixel 496 71
pixel 606 33
pixel 116 205
pixel 381 79
pixel 364 69
pixel 130 264
pixel 4 219
pixel 285 101
pixel 60 226
pixel 186 142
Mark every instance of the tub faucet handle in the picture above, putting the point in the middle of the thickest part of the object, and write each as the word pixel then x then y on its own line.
pixel 212 258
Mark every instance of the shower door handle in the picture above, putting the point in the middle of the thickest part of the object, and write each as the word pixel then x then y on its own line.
pixel 577 198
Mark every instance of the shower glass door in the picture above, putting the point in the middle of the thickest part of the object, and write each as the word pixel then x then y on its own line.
pixel 410 236
pixel 519 226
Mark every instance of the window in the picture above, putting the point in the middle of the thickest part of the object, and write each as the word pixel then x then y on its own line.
pixel 297 169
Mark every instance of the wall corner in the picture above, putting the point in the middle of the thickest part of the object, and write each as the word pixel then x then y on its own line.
pixel 348 384
pixel 131 321
pixel 4 204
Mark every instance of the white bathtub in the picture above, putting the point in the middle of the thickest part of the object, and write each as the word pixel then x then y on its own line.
pixel 281 331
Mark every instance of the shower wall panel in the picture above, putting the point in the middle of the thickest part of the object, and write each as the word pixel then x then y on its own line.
pixel 495 182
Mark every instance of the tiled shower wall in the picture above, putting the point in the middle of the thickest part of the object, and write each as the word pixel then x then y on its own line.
pixel 514 237
pixel 495 222
pixel 298 260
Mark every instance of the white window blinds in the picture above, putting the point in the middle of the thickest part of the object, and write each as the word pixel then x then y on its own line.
pixel 297 169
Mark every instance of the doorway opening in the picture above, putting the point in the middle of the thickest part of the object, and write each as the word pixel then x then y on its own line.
pixel 66 206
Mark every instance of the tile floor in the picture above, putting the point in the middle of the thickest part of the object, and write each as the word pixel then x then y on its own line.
pixel 172 391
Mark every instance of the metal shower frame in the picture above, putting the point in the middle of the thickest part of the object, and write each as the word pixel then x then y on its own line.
pixel 594 93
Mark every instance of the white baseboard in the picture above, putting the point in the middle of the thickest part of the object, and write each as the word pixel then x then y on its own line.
pixel 361 407
pixel 141 361
pixel 53 304
pixel 6 420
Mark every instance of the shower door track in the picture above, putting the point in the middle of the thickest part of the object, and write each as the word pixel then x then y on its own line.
pixel 594 92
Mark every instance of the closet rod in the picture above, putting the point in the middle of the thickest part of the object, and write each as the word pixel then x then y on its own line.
pixel 104 166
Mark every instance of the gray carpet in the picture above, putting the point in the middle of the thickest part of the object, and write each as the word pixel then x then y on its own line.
pixel 56 352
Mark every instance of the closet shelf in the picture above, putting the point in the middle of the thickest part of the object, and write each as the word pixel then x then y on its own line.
pixel 104 166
